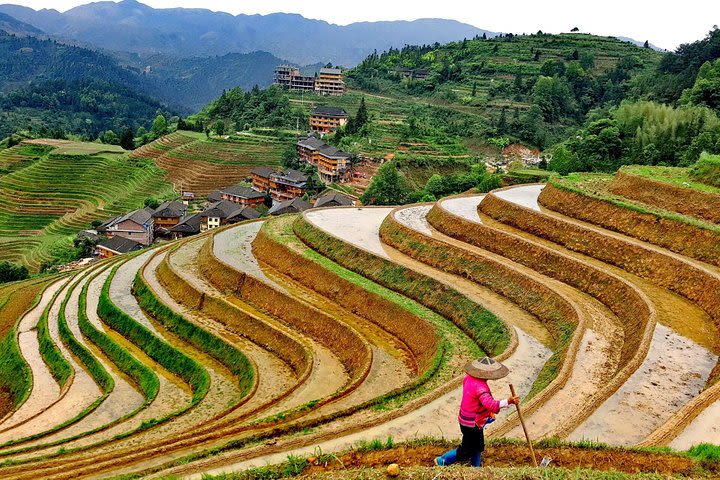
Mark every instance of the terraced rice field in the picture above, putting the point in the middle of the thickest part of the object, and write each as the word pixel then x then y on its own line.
pixel 237 347
pixel 203 165
pixel 46 197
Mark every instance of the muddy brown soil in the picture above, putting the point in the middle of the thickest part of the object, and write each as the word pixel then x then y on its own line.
pixel 518 455
pixel 598 356
pixel 45 390
pixel 679 361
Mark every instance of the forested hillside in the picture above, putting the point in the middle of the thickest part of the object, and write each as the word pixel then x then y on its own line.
pixel 535 88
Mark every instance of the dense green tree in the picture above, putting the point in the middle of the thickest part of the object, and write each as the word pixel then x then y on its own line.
pixel 388 187
pixel 359 121
pixel 109 137
pixel 127 140
pixel 9 272
pixel 219 127
pixel 152 203
pixel 159 126
pixel 706 90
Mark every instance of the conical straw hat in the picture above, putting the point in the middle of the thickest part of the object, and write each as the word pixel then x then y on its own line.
pixel 486 368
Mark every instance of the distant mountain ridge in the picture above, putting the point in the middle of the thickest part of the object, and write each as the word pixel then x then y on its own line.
pixel 134 27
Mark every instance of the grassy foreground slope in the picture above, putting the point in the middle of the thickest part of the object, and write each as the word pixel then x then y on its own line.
pixel 46 197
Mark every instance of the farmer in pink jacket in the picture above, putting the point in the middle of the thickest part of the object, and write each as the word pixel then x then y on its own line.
pixel 477 409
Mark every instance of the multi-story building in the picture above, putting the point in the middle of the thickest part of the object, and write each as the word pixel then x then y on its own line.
pixel 290 77
pixel 306 147
pixel 225 212
pixel 242 195
pixel 260 179
pixel 327 119
pixel 331 163
pixel 330 82
pixel 287 184
pixel 168 214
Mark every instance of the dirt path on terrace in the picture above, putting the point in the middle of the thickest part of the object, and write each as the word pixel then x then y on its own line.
pixel 675 369
pixel 525 362
pixel 389 369
pixel 45 390
pixel 82 392
pixel 328 374
pixel 273 374
pixel 173 394
pixel 596 360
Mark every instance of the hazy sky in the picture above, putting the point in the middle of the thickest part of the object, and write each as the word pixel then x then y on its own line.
pixel 665 23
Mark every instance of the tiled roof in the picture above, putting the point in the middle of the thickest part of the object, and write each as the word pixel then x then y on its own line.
pixel 312 143
pixel 245 213
pixel 335 199
pixel 120 244
pixel 331 152
pixel 333 71
pixel 295 205
pixel 221 209
pixel 329 111
pixel 189 224
pixel 170 209
pixel 263 171
pixel 242 191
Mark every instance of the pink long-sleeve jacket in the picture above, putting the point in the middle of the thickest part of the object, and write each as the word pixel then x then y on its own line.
pixel 477 402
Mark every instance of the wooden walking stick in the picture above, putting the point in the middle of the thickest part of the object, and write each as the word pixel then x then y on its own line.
pixel 522 422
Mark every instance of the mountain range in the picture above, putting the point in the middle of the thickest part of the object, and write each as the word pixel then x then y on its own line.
pixel 131 26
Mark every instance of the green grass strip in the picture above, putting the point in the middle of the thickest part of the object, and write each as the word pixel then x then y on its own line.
pixel 163 353
pixel 140 373
pixel 98 373
pixel 574 183
pixel 95 369
pixel 220 350
pixel 490 334
pixel 59 367
pixel 15 373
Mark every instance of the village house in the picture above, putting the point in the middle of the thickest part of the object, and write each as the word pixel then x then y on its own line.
pixel 327 119
pixel 334 199
pixel 295 205
pixel 167 215
pixel 225 212
pixel 413 74
pixel 331 163
pixel 187 226
pixel 137 225
pixel 306 147
pixel 330 82
pixel 116 245
pixel 289 77
pixel 261 178
pixel 242 195
pixel 287 184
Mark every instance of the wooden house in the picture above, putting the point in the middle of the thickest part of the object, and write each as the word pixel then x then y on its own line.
pixel 261 178
pixel 242 195
pixel 327 119
pixel 287 184
pixel 117 245
pixel 137 225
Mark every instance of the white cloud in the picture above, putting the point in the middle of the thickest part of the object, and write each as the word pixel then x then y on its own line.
pixel 664 23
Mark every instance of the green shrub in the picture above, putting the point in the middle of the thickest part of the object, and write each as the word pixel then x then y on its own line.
pixel 707 169
pixel 15 374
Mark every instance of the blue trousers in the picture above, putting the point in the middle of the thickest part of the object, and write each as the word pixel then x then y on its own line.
pixel 470 449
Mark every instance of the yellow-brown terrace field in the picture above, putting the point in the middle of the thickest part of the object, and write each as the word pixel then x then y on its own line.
pixel 305 335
